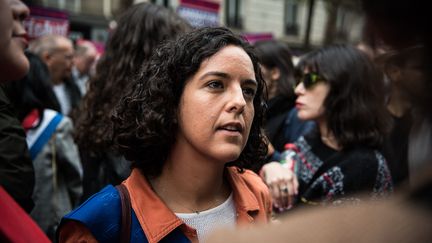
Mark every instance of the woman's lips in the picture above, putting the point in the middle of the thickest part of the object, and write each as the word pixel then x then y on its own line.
pixel 22 39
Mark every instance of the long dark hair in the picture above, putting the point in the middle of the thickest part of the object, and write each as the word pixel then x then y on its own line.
pixel 140 29
pixel 34 91
pixel 275 54
pixel 355 105
pixel 145 121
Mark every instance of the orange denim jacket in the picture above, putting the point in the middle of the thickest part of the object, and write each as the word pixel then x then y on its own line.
pixel 251 197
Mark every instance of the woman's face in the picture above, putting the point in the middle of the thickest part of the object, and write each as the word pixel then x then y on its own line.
pixel 13 41
pixel 216 109
pixel 310 101
pixel 270 75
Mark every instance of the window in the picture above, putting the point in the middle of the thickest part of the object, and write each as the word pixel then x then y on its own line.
pixel 342 24
pixel 233 13
pixel 164 3
pixel 290 22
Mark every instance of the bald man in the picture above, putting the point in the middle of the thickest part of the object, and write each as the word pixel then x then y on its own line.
pixel 57 53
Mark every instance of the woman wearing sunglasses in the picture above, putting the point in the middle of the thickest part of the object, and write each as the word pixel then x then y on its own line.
pixel 340 89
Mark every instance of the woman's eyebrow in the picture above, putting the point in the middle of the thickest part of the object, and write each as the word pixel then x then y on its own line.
pixel 250 81
pixel 227 76
pixel 215 73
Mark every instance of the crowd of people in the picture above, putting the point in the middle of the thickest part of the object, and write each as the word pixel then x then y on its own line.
pixel 177 134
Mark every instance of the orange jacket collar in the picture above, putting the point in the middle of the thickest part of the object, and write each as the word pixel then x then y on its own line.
pixel 157 220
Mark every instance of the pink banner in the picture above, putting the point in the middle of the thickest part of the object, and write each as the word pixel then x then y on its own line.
pixel 200 13
pixel 254 37
pixel 210 6
pixel 43 21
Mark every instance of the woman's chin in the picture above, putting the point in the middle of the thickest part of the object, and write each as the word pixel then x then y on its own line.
pixel 229 155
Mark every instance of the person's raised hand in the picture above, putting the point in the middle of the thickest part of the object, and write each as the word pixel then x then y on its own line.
pixel 282 183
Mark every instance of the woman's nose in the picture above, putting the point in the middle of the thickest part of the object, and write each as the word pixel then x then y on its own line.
pixel 237 100
pixel 299 89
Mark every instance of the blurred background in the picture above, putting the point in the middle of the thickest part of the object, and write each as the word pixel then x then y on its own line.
pixel 302 24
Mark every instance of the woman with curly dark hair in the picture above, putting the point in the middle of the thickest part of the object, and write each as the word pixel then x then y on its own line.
pixel 191 124
pixel 140 29
pixel 346 100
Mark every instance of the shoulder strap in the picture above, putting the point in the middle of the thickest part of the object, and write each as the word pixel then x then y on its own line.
pixel 102 215
pixel 125 213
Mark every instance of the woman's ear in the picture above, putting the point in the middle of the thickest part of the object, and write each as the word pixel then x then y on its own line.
pixel 275 73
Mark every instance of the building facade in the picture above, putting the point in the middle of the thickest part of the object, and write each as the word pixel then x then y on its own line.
pixel 300 23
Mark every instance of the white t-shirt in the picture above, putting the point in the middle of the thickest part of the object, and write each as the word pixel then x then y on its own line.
pixel 205 222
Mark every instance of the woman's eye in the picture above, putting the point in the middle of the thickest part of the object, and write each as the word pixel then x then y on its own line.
pixel 215 85
pixel 249 92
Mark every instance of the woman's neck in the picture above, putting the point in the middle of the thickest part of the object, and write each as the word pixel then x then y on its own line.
pixel 398 103
pixel 327 136
pixel 191 183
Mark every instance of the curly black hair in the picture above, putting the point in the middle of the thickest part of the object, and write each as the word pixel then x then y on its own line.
pixel 145 120
pixel 355 105
pixel 139 30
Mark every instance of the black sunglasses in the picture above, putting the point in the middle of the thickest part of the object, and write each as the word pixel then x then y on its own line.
pixel 309 80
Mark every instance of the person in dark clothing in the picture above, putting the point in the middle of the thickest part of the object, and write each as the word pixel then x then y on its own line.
pixel 16 168
pixel 405 28
pixel 342 157
pixel 57 53
pixel 401 103
pixel 278 72
pixel 282 124
pixel 58 171
pixel 395 149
